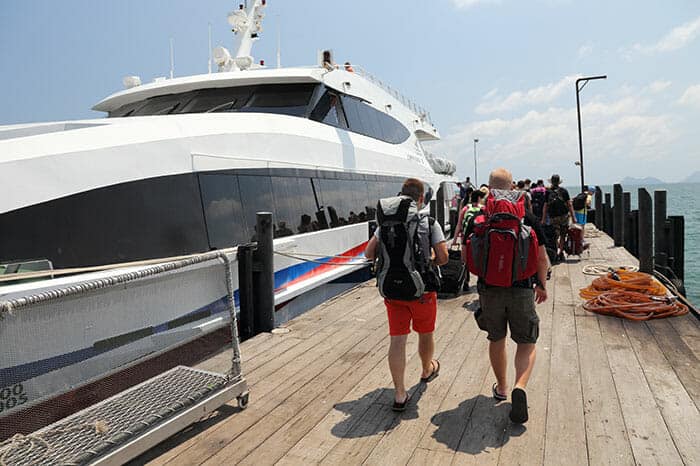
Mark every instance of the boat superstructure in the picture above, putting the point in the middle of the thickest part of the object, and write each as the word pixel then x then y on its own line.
pixel 180 166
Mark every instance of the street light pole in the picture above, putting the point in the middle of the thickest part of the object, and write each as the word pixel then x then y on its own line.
pixel 578 112
pixel 476 183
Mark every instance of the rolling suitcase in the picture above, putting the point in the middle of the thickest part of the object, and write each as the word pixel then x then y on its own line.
pixel 550 243
pixel 452 275
pixel 574 245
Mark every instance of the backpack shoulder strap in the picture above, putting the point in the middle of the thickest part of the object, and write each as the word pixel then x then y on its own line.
pixel 431 222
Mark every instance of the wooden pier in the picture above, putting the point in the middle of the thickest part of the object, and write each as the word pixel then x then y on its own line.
pixel 603 391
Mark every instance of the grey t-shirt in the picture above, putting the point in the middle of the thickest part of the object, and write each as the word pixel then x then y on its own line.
pixel 435 232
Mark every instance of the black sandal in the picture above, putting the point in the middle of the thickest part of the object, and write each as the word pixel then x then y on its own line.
pixel 434 373
pixel 518 413
pixel 497 395
pixel 399 407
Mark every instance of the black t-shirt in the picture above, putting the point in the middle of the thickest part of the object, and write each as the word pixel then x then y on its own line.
pixel 563 194
pixel 529 220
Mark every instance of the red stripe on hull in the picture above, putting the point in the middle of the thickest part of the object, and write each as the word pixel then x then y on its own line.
pixel 326 266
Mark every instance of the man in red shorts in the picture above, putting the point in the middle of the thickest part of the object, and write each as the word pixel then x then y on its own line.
pixel 419 313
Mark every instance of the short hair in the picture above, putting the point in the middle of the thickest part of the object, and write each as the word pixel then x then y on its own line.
pixel 540 183
pixel 528 181
pixel 413 188
pixel 521 184
pixel 476 195
pixel 500 178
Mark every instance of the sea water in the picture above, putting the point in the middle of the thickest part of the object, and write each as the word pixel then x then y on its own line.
pixel 681 199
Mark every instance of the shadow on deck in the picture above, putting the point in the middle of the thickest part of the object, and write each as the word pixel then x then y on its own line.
pixel 603 390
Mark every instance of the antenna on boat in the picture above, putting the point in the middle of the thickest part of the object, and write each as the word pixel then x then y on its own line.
pixel 172 59
pixel 279 42
pixel 246 24
pixel 210 60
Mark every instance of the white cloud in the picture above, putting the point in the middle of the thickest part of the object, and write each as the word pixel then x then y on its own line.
pixel 622 135
pixel 536 96
pixel 691 96
pixel 659 86
pixel 491 93
pixel 464 4
pixel 585 50
pixel 675 39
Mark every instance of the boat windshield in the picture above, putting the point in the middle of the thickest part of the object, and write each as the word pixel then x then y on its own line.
pixel 286 99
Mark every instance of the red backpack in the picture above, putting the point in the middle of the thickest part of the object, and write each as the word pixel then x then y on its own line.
pixel 501 249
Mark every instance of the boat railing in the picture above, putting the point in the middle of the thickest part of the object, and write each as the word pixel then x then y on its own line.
pixel 420 111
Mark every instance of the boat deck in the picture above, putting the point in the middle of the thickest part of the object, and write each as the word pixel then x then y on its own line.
pixel 603 390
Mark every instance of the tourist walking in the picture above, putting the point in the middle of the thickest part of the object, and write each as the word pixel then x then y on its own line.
pixel 508 291
pixel 559 209
pixel 407 279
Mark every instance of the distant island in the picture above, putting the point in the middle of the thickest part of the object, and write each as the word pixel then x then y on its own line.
pixel 649 180
pixel 694 178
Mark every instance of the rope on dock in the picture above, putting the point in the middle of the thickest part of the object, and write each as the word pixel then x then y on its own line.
pixel 27 444
pixel 635 306
pixel 604 269
pixel 631 295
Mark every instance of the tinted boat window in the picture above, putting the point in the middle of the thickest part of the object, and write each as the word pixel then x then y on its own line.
pixel 256 196
pixel 366 120
pixel 126 110
pixel 223 211
pixel 346 199
pixel 287 99
pixel 162 105
pixel 329 111
pixel 294 205
pixel 352 111
pixel 215 100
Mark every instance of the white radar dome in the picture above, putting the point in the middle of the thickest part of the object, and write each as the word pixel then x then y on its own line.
pixel 131 81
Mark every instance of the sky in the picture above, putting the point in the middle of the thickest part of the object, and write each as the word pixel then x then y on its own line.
pixel 502 71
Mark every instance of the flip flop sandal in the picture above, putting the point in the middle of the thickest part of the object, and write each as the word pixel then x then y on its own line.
pixel 399 407
pixel 434 373
pixel 518 413
pixel 497 395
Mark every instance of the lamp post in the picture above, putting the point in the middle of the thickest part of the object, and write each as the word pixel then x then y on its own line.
pixel 476 183
pixel 578 111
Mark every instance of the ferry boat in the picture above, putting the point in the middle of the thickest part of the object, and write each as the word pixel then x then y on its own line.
pixel 181 166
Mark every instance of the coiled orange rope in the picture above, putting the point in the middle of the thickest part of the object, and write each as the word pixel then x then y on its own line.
pixel 623 280
pixel 631 295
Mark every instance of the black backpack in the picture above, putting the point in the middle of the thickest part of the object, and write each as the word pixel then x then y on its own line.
pixel 579 201
pixel 538 197
pixel 403 261
pixel 556 205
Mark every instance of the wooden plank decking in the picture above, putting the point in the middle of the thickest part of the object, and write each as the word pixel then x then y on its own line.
pixel 604 391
